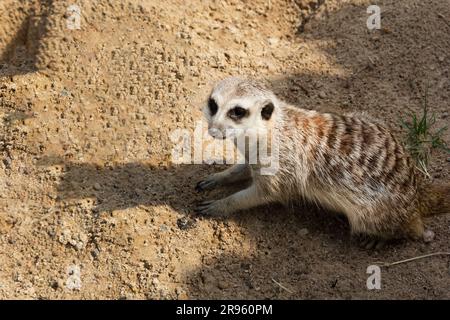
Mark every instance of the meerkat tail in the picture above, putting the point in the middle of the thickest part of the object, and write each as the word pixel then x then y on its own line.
pixel 435 199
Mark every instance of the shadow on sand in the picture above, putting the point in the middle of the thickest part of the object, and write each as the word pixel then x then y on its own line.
pixel 21 54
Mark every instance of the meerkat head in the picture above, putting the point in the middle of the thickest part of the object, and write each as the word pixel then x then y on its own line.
pixel 236 105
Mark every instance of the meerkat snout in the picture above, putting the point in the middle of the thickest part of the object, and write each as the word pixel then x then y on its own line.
pixel 216 133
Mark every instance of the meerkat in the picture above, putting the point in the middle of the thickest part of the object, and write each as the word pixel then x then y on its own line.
pixel 347 163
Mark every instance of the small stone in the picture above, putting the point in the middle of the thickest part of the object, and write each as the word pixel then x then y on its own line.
pixel 95 253
pixel 181 295
pixel 54 284
pixel 148 265
pixel 7 162
pixel 53 65
pixel 185 223
pixel 232 29
pixel 18 277
pixel 73 281
pixel 222 285
pixel 303 232
pixel 97 186
pixel 322 95
pixel 428 236
pixel 273 41
pixel 179 75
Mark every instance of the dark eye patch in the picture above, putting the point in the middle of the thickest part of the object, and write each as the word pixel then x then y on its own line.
pixel 267 111
pixel 237 113
pixel 212 105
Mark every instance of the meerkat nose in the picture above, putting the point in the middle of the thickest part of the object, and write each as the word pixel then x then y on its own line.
pixel 216 133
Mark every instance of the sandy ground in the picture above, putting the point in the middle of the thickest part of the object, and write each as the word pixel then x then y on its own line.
pixel 91 206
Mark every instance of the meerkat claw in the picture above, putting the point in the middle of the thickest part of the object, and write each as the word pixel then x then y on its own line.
pixel 372 244
pixel 203 206
pixel 363 242
pixel 208 208
pixel 205 185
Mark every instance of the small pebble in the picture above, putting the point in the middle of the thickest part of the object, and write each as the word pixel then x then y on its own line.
pixel 428 236
pixel 222 284
pixel 322 95
pixel 185 223
pixel 95 253
pixel 7 162
pixel 303 232
pixel 272 41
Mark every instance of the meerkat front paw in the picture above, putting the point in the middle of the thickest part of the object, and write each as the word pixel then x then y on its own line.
pixel 212 208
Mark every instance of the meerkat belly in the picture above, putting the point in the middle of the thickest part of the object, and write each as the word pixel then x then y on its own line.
pixel 331 200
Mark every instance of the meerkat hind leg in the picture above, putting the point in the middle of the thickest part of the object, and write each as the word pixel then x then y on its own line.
pixel 241 200
pixel 233 174
pixel 367 239
pixel 417 231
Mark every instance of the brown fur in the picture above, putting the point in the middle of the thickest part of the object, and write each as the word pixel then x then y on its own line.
pixel 435 199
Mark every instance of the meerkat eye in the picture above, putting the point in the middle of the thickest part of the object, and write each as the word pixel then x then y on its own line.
pixel 237 113
pixel 212 105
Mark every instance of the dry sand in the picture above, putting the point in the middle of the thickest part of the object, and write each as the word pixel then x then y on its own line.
pixel 91 206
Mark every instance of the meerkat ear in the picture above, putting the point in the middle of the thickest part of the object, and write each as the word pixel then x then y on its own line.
pixel 267 110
